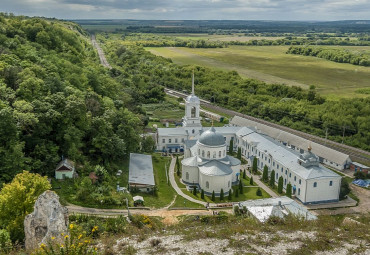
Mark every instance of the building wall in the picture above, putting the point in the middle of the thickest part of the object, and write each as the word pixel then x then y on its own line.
pixel 323 191
pixel 67 173
pixel 216 183
pixel 209 152
pixel 164 141
pixel 190 174
pixel 236 170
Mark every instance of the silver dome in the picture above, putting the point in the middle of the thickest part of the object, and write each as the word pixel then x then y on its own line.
pixel 212 138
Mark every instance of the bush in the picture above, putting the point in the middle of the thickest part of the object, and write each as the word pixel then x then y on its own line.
pixel 202 194
pixel 230 195
pixel 241 188
pixel 265 175
pixel 222 194
pixel 5 242
pixel 259 192
pixel 344 189
pixel 213 196
pixel 251 181
pixel 289 190
pixel 280 185
pixel 272 179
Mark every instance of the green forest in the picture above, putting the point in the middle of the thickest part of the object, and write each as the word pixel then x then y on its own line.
pixel 294 107
pixel 336 55
pixel 57 100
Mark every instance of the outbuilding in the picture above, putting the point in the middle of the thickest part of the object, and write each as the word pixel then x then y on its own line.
pixel 141 175
pixel 65 169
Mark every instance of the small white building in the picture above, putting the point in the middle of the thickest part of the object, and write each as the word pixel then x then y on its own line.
pixel 65 169
pixel 263 209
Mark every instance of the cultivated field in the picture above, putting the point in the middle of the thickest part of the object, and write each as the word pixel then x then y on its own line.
pixel 224 38
pixel 272 65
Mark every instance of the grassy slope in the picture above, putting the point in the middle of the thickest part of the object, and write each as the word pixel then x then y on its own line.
pixel 271 64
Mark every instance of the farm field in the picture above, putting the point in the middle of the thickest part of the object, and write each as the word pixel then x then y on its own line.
pixel 224 38
pixel 272 65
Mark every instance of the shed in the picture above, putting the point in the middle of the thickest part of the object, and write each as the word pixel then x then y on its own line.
pixel 65 169
pixel 141 175
pixel 355 166
pixel 138 200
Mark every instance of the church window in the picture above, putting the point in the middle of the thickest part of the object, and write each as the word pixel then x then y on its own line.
pixel 295 178
pixel 286 171
pixel 208 154
pixel 269 160
pixel 277 175
pixel 163 140
pixel 290 175
pixel 193 131
pixel 273 163
pixel 331 183
pixel 193 112
pixel 315 184
pixel 169 140
pixel 284 181
pixel 300 181
pixel 187 176
pixel 224 153
pixel 175 140
pixel 219 154
pixel 299 191
pixel 207 185
pixel 214 154
pixel 277 166
pixel 202 153
pixel 228 184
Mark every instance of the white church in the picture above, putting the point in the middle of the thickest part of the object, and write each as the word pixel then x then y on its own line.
pixel 207 165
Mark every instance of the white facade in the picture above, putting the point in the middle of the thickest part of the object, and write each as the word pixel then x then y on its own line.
pixel 203 147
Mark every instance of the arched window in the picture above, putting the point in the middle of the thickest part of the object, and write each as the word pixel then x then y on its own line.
pixel 277 175
pixel 208 154
pixel 203 153
pixel 193 131
pixel 331 183
pixel 300 181
pixel 193 112
pixel 285 182
pixel 207 185
pixel 214 154
pixel 315 184
pixel 187 176
pixel 219 154
pixel 295 178
pixel 299 191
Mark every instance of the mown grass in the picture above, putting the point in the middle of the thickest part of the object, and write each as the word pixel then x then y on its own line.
pixel 272 65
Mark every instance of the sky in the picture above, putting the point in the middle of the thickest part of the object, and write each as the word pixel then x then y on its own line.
pixel 192 9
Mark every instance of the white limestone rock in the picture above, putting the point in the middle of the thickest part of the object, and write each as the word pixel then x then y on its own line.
pixel 49 219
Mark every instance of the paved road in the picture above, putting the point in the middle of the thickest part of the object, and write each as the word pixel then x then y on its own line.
pixel 103 60
pixel 355 153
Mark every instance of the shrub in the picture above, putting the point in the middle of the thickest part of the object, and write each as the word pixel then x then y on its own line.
pixel 280 185
pixel 213 196
pixel 230 195
pixel 231 146
pixel 265 175
pixel 236 192
pixel 244 174
pixel 254 167
pixel 272 179
pixel 202 194
pixel 5 242
pixel 251 181
pixel 344 189
pixel 222 194
pixel 259 192
pixel 289 190
pixel 194 190
pixel 241 187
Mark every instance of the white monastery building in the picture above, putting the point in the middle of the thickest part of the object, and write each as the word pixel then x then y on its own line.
pixel 207 165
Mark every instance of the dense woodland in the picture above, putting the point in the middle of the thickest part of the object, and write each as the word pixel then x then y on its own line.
pixel 57 100
pixel 290 106
pixel 336 55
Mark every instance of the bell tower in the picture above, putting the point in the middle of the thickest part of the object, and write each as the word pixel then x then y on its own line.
pixel 191 121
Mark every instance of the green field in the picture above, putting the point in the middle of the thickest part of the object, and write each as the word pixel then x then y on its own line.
pixel 272 65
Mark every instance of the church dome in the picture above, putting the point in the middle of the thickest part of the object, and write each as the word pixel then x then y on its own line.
pixel 193 99
pixel 212 138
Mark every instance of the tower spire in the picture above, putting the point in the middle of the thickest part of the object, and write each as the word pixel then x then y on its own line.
pixel 192 84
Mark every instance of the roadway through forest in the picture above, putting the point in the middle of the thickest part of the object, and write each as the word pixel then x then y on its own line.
pixel 355 153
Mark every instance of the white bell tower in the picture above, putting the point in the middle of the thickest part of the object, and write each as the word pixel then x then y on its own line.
pixel 192 118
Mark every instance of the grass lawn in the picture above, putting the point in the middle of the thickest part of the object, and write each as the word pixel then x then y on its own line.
pixel 181 202
pixel 272 65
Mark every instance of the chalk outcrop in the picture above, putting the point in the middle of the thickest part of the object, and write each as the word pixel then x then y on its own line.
pixel 49 219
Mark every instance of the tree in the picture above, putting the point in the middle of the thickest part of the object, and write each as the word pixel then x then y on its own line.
pixel 231 147
pixel 239 155
pixel 265 174
pixel 280 185
pixel 213 196
pixel 236 192
pixel 17 200
pixel 272 178
pixel 241 187
pixel 254 167
pixel 259 192
pixel 194 190
pixel 251 181
pixel 147 144
pixel 289 190
pixel 344 189
pixel 244 174
pixel 202 194
pixel 178 166
pixel 222 194
pixel 230 197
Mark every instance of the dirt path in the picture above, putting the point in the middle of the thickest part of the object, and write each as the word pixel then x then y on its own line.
pixel 103 60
